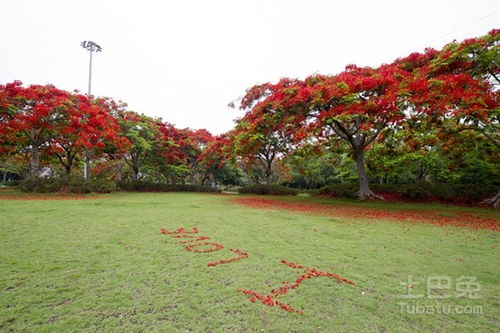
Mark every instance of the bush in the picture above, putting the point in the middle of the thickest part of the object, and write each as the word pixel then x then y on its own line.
pixel 475 193
pixel 458 193
pixel 75 184
pixel 72 184
pixel 10 183
pixel 418 191
pixel 268 189
pixel 40 185
pixel 145 186
pixel 102 186
pixel 346 190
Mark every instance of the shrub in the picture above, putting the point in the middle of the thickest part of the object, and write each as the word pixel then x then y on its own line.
pixel 9 183
pixel 418 191
pixel 458 193
pixel 75 184
pixel 146 186
pixel 102 186
pixel 72 184
pixel 475 193
pixel 268 189
pixel 40 185
pixel 346 190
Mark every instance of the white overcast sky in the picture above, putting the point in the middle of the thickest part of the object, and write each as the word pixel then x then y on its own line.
pixel 186 60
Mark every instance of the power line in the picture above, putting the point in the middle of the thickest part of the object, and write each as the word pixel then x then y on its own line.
pixel 458 29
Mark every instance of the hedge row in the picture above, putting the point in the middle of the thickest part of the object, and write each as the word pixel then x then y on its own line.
pixel 421 191
pixel 66 184
pixel 79 185
pixel 268 189
pixel 146 186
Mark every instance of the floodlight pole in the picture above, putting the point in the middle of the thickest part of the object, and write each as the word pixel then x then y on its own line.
pixel 90 74
pixel 91 47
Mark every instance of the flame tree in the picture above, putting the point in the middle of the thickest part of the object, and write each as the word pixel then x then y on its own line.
pixel 360 103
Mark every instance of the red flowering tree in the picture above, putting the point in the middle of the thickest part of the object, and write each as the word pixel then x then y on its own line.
pixel 194 142
pixel 31 115
pixel 218 151
pixel 216 161
pixel 88 126
pixel 459 82
pixel 355 105
pixel 261 140
pixel 457 87
pixel 175 151
pixel 55 121
pixel 359 104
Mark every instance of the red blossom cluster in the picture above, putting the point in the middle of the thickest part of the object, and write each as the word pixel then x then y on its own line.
pixel 271 299
pixel 42 120
pixel 194 242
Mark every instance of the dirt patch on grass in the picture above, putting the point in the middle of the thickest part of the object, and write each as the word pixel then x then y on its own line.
pixel 460 219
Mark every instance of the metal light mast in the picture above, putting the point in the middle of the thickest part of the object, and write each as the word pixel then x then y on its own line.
pixel 91 47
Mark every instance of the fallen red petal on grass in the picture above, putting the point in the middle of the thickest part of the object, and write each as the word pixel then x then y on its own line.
pixel 461 219
pixel 271 300
pixel 179 231
pixel 242 255
pixel 194 240
pixel 215 247
pixel 268 300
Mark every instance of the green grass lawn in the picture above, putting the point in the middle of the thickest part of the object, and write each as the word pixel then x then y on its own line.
pixel 102 265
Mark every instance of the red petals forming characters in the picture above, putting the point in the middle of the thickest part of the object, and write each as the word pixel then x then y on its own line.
pixel 242 255
pixel 268 300
pixel 312 272
pixel 179 231
pixel 194 242
pixel 216 247
pixel 271 299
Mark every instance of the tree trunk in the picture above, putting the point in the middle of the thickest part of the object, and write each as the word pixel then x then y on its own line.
pixel 69 162
pixel 118 175
pixel 421 172
pixel 495 201
pixel 268 176
pixel 135 173
pixel 86 166
pixel 5 176
pixel 135 166
pixel 35 161
pixel 364 188
pixel 266 162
